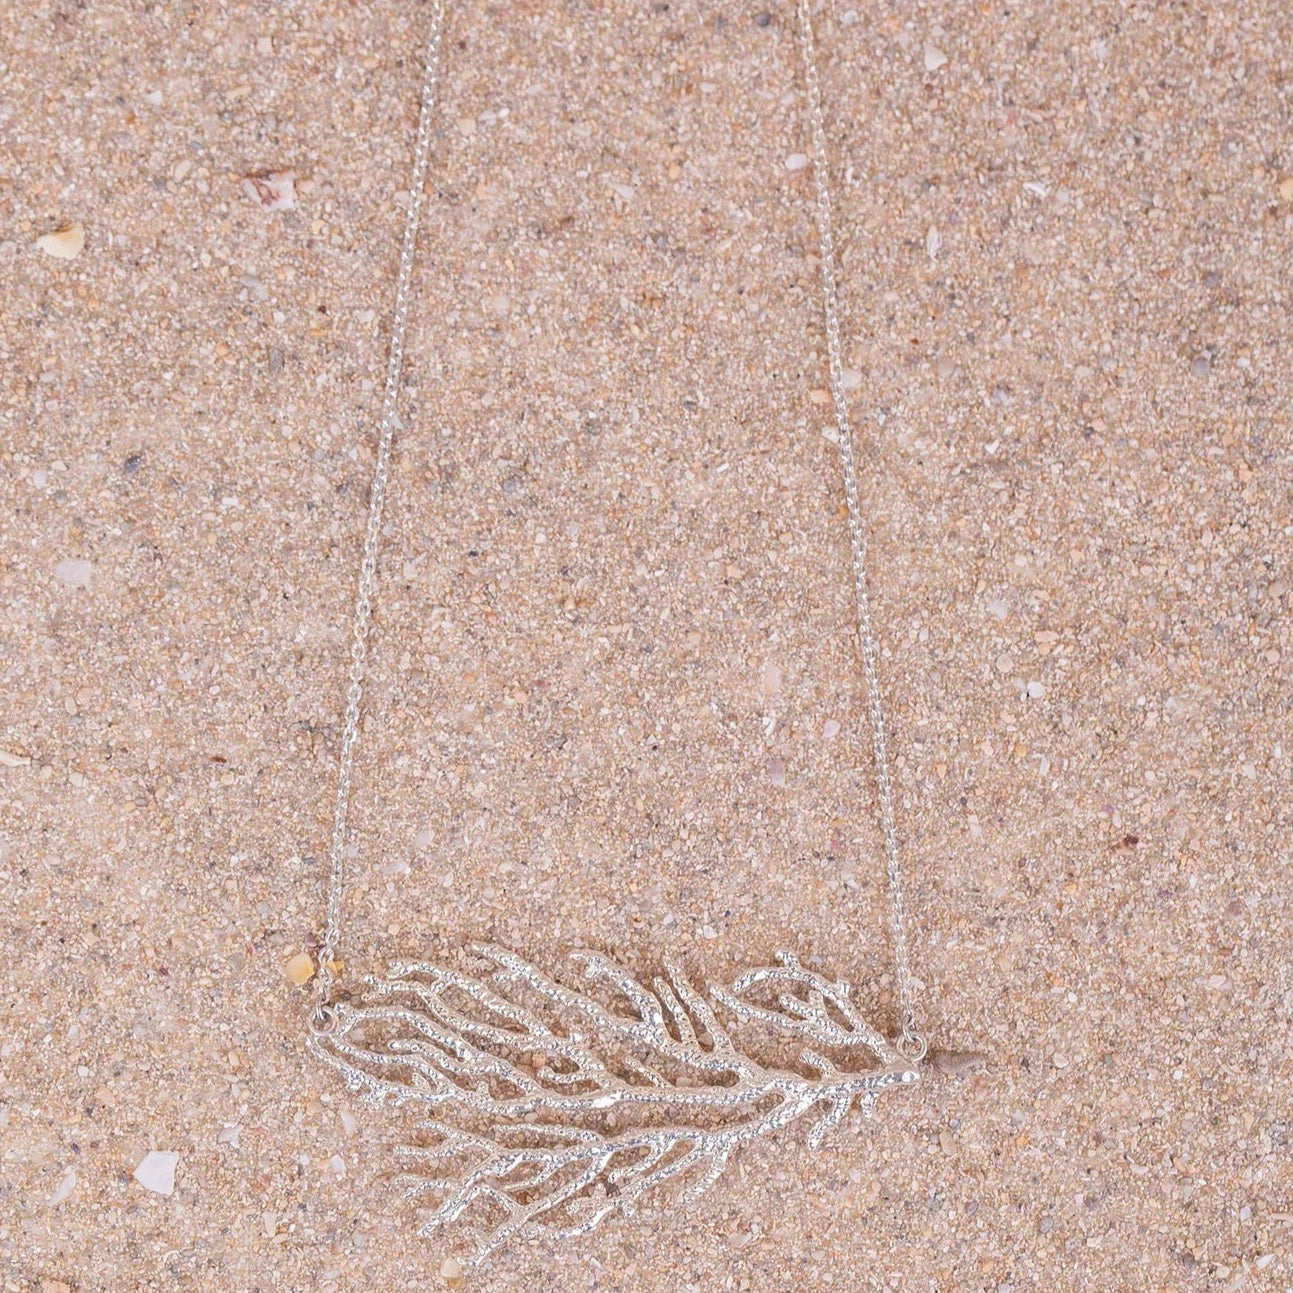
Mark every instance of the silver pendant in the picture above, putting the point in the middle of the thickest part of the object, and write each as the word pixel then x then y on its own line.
pixel 558 1108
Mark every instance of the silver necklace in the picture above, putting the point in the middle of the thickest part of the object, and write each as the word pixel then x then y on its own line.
pixel 557 1106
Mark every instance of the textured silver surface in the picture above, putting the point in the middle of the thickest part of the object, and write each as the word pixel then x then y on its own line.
pixel 557 1107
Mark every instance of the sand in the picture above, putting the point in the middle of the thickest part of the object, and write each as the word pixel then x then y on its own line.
pixel 614 628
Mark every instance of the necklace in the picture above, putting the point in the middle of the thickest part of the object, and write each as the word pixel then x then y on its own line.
pixel 557 1106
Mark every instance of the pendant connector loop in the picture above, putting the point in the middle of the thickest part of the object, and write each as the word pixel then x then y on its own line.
pixel 911 1046
pixel 323 1019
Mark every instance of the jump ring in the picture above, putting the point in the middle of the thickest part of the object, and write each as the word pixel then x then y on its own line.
pixel 912 1047
pixel 323 1019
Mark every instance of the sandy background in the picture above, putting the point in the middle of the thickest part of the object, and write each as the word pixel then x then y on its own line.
pixel 614 616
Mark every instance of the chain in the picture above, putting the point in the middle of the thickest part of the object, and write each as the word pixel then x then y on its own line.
pixel 912 1045
pixel 323 1013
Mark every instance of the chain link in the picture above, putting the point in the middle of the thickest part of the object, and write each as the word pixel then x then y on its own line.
pixel 376 502
pixel 912 1044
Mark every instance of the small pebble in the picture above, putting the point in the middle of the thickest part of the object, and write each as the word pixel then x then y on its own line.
pixel 451 1271
pixel 8 759
pixel 348 1122
pixel 830 729
pixel 255 288
pixel 300 969
pixel 958 1063
pixel 66 244
pixel 74 571
pixel 1035 691
pixel 1004 663
pixel 777 772
pixel 934 58
pixel 997 609
pixel 273 190
pixel 337 1166
pixel 796 161
pixel 64 1188
pixel 1286 189
pixel 1201 366
pixel 157 1171
pixel 228 1134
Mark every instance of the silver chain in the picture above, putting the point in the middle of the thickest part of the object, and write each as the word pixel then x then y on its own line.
pixel 912 1045
pixel 376 501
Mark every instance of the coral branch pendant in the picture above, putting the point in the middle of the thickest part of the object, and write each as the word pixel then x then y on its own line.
pixel 557 1107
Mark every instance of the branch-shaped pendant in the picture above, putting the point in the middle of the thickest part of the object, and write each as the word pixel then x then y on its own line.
pixel 562 1107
